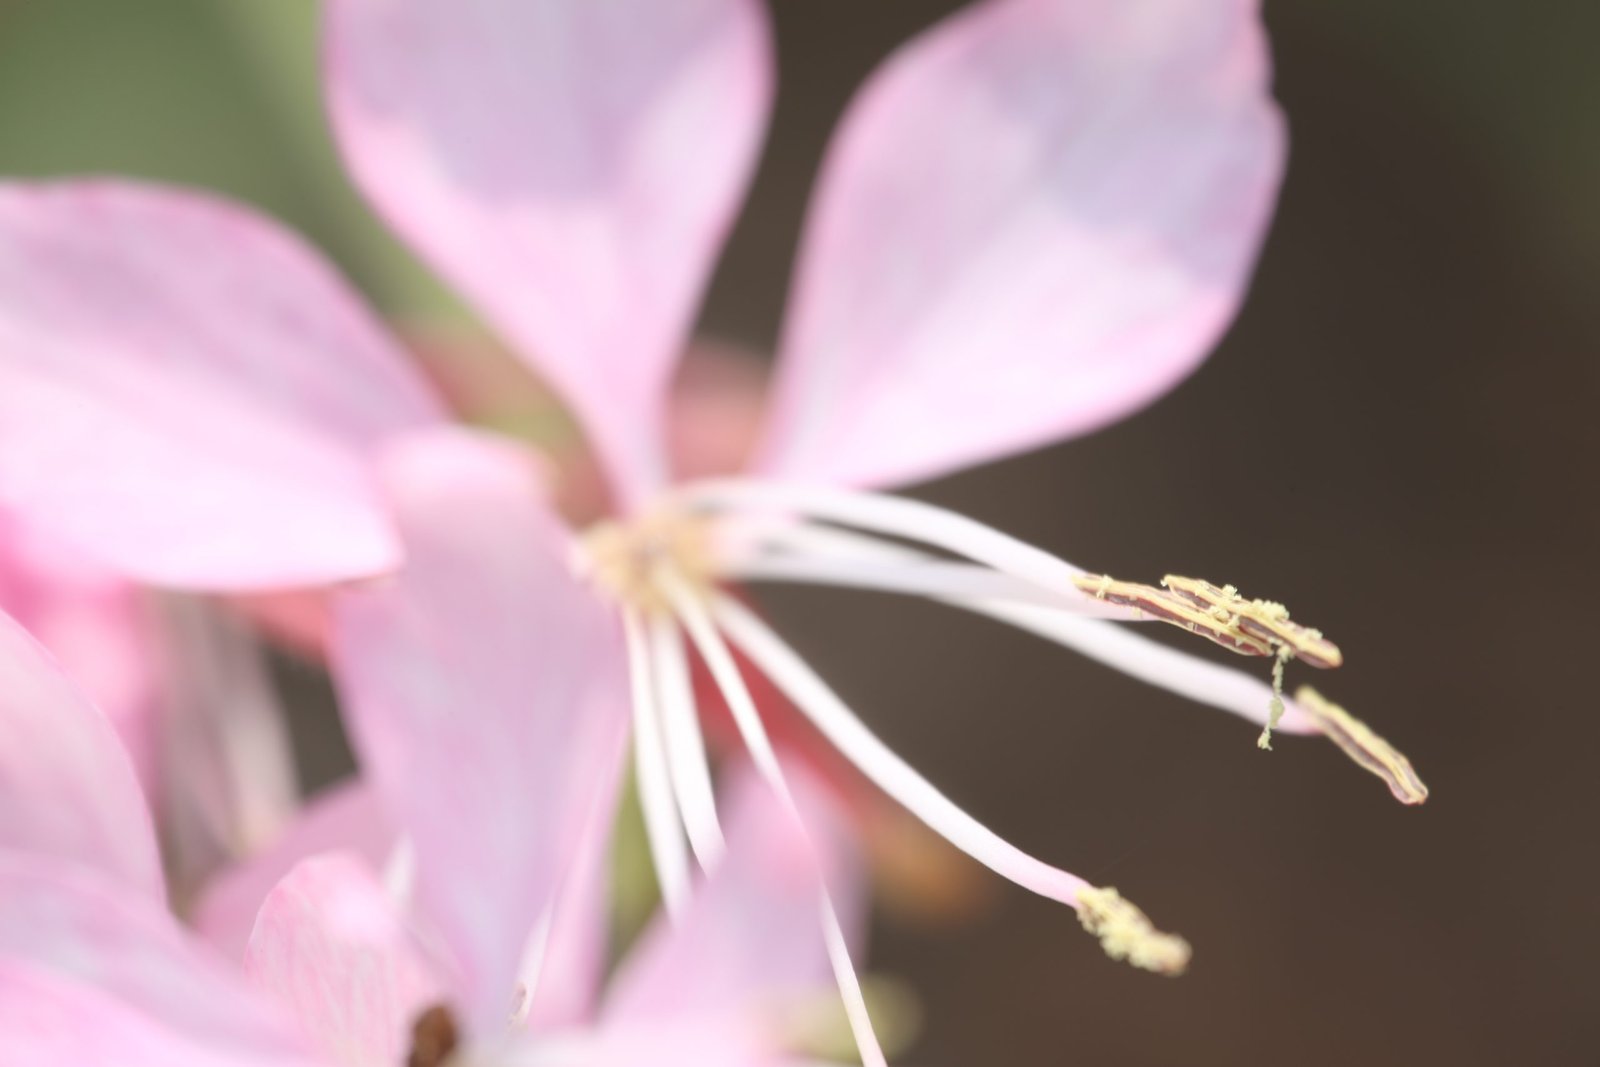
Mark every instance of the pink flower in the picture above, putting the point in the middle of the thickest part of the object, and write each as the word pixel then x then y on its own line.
pixel 1035 219
pixel 95 972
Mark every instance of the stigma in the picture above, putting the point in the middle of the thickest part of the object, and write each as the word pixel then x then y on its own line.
pixel 1126 933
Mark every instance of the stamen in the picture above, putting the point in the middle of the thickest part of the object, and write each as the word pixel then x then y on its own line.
pixel 879 763
pixel 896 517
pixel 725 672
pixel 685 746
pixel 1363 746
pixel 650 769
pixel 1151 662
pixel 1249 627
pixel 906 573
pixel 1126 933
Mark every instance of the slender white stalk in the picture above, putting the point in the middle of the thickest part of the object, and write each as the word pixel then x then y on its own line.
pixel 650 769
pixel 531 968
pixel 719 660
pixel 897 517
pixel 400 873
pixel 1151 662
pixel 1213 684
pixel 806 552
pixel 685 747
pixel 879 763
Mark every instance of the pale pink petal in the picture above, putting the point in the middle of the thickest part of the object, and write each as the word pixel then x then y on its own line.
pixel 346 817
pixel 750 943
pixel 674 1043
pixel 48 1021
pixel 572 165
pixel 96 625
pixel 572 965
pixel 188 392
pixel 486 693
pixel 1036 218
pixel 331 944
pixel 67 790
pixel 65 923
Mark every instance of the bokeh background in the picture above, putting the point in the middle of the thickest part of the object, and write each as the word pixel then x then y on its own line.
pixel 1399 438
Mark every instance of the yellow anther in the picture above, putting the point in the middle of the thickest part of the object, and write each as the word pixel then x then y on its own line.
pixel 1126 933
pixel 1358 742
pixel 1219 614
pixel 627 559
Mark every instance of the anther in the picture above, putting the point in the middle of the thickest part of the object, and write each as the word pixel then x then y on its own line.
pixel 1126 933
pixel 1356 739
pixel 1220 615
pixel 434 1038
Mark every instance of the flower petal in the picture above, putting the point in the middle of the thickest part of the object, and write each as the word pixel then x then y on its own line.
pixel 188 392
pixel 94 623
pixel 571 165
pixel 64 932
pixel 1035 219
pixel 331 944
pixel 486 691
pixel 47 1021
pixel 67 789
pixel 749 942
pixel 347 817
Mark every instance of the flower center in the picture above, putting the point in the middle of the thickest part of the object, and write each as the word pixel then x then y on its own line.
pixel 634 562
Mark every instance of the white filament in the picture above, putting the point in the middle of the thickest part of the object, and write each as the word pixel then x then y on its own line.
pixel 1118 647
pixel 879 763
pixel 896 517
pixel 685 746
pixel 708 642
pixel 661 824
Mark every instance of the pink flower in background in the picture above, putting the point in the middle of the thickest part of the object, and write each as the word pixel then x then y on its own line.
pixel 1035 218
pixel 343 970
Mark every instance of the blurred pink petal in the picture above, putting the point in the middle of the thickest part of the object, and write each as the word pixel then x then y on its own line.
pixel 572 966
pixel 486 696
pixel 189 391
pixel 69 936
pixel 1035 219
pixel 47 1021
pixel 94 623
pixel 346 817
pixel 571 165
pixel 331 944
pixel 749 943
pixel 67 790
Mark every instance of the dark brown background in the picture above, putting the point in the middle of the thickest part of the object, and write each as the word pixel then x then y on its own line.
pixel 1398 438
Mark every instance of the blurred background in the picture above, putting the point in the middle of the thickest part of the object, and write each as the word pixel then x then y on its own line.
pixel 1417 363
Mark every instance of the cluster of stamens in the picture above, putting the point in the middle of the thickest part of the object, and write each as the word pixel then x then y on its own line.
pixel 629 560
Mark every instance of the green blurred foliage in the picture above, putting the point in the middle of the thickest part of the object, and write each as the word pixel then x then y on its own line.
pixel 221 94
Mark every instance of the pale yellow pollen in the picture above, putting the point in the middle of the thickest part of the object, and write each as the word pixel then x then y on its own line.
pixel 1356 739
pixel 1126 933
pixel 628 560
pixel 1275 705
pixel 1219 614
